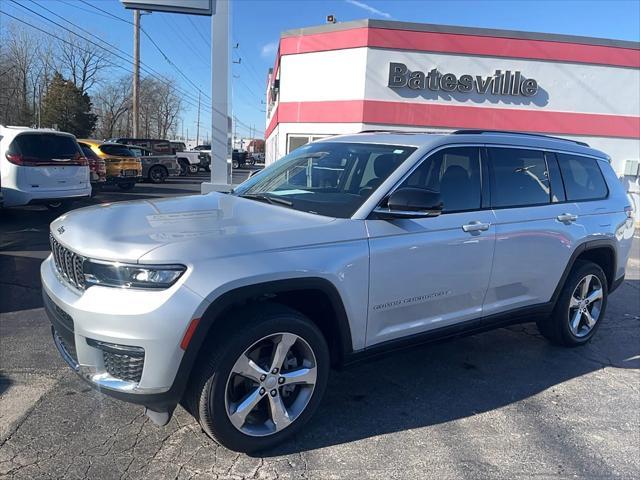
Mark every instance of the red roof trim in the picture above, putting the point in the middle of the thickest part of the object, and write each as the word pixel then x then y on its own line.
pixel 461 44
pixel 456 116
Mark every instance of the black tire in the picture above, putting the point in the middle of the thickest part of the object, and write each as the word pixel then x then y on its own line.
pixel 193 169
pixel 56 206
pixel 126 186
pixel 235 164
pixel 206 394
pixel 158 174
pixel 556 327
pixel 184 167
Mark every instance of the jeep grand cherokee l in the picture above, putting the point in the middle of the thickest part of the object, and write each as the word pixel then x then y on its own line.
pixel 346 247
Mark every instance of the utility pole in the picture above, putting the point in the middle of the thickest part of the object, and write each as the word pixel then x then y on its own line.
pixel 198 122
pixel 136 73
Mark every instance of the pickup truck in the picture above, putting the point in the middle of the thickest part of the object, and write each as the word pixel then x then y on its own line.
pixel 191 161
pixel 155 168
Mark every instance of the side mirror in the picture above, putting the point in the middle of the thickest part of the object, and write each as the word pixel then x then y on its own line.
pixel 411 203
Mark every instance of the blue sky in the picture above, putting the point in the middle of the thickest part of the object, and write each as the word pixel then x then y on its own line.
pixel 256 26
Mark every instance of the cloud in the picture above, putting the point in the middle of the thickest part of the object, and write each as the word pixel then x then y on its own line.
pixel 269 49
pixel 368 8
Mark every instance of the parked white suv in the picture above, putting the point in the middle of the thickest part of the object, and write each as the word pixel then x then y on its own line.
pixel 346 247
pixel 42 166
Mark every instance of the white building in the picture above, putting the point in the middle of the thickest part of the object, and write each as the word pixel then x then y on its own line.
pixel 372 75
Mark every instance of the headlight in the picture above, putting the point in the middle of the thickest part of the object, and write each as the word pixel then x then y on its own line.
pixel 131 276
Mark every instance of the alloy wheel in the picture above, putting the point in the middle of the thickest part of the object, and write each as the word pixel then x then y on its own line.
pixel 270 384
pixel 585 305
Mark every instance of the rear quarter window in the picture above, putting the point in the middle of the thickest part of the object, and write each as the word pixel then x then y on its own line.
pixel 582 177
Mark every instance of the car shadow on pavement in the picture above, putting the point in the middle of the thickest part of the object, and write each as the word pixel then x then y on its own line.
pixel 5 383
pixel 439 383
pixel 20 287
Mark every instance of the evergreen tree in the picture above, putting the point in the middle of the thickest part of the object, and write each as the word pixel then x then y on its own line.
pixel 65 106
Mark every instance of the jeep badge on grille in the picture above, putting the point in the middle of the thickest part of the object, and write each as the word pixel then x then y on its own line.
pixel 60 230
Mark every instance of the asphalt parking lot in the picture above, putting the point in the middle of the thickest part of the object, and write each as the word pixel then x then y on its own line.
pixel 503 404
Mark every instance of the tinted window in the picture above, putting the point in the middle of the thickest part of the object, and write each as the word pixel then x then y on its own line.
pixel 117 150
pixel 519 177
pixel 455 173
pixel 88 152
pixel 326 178
pixel 582 177
pixel 45 146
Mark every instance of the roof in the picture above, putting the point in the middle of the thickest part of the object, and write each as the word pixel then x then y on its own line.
pixel 8 133
pixel 489 32
pixel 90 141
pixel 476 137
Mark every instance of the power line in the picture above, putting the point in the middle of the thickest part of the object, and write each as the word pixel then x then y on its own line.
pixel 186 100
pixel 83 9
pixel 153 42
pixel 148 70
pixel 183 38
pixel 189 100
pixel 204 39
pixel 108 13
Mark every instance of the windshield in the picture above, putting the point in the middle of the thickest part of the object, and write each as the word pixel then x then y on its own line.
pixel 326 178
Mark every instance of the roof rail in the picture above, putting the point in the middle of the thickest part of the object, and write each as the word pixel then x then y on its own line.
pixel 402 132
pixel 507 132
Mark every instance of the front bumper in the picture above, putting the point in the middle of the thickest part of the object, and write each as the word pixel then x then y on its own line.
pixel 151 321
pixel 114 180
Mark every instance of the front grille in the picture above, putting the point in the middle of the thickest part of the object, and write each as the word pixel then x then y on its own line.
pixel 124 366
pixel 68 263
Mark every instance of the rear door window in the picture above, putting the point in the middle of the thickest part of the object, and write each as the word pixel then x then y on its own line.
pixel 582 177
pixel 519 178
pixel 45 147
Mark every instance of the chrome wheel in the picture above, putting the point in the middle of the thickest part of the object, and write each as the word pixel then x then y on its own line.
pixel 585 306
pixel 270 384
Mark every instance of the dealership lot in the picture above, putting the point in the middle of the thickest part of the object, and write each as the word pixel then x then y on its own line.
pixel 504 404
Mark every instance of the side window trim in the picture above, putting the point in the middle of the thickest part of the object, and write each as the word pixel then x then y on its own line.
pixel 485 179
pixel 556 182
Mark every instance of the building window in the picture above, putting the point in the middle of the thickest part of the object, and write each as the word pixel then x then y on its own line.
pixel 296 141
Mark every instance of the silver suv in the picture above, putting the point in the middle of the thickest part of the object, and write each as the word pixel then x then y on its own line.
pixel 344 248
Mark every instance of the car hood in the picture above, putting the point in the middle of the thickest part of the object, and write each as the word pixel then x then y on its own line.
pixel 192 226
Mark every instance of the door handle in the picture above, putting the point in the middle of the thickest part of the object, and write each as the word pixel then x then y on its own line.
pixel 475 227
pixel 567 217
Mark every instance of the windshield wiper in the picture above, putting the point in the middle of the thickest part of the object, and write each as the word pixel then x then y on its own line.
pixel 261 197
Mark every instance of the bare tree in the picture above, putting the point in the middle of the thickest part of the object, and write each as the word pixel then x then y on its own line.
pixel 112 104
pixel 160 106
pixel 82 62
pixel 21 53
pixel 168 108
